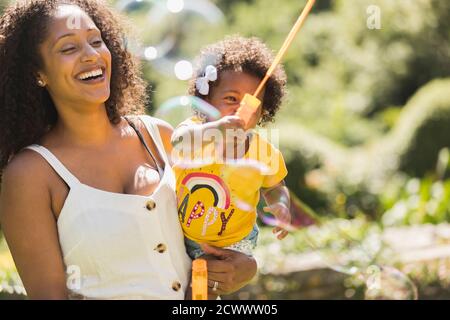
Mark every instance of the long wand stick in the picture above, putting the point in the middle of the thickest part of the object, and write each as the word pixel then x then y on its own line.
pixel 287 43
pixel 250 104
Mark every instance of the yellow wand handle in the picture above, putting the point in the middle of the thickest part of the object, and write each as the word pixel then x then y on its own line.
pixel 199 280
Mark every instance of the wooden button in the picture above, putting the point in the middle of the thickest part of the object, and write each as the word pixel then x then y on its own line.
pixel 176 286
pixel 160 248
pixel 150 205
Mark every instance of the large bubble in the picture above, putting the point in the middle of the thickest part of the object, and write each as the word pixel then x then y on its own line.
pixel 353 248
pixel 177 109
pixel 169 31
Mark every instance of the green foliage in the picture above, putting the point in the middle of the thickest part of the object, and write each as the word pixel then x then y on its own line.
pixel 423 129
pixel 417 201
pixel 413 144
pixel 329 239
pixel 339 71
pixel 3 4
pixel 361 174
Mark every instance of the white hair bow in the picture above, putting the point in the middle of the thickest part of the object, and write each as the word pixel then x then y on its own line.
pixel 202 84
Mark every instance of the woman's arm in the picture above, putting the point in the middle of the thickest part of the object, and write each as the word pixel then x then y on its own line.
pixel 30 228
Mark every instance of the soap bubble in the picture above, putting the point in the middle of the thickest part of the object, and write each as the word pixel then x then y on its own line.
pixel 168 31
pixel 388 283
pixel 350 247
pixel 177 109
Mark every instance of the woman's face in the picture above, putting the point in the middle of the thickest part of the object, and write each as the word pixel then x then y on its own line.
pixel 76 62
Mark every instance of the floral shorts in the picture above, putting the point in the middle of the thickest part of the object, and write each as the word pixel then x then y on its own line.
pixel 244 246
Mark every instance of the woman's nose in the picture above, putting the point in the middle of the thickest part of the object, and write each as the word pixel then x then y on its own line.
pixel 89 54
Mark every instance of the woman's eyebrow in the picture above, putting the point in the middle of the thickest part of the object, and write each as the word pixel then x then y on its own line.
pixel 63 36
pixel 72 34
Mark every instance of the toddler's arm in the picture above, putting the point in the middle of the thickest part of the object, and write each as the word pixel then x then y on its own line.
pixel 185 133
pixel 278 203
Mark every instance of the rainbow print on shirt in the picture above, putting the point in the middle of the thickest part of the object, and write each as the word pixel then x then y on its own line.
pixel 206 197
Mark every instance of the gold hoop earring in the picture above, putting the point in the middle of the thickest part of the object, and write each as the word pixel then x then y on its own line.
pixel 41 83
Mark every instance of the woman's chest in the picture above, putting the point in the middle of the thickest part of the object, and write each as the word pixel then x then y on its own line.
pixel 117 174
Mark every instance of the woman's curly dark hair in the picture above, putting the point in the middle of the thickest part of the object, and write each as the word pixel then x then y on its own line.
pixel 26 110
pixel 248 55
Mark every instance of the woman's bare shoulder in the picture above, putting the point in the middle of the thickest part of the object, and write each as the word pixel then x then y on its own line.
pixel 25 168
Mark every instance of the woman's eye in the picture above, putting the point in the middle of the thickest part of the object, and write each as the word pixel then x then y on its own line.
pixel 97 43
pixel 67 50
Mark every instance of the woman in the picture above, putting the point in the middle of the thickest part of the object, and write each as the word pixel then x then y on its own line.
pixel 87 201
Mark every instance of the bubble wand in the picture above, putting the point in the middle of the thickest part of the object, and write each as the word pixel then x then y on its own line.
pixel 250 104
pixel 199 280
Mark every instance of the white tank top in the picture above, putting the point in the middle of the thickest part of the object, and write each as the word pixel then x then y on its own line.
pixel 122 246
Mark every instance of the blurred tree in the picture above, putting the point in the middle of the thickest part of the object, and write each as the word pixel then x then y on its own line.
pixel 340 71
pixel 345 82
pixel 3 4
pixel 362 173
pixel 342 76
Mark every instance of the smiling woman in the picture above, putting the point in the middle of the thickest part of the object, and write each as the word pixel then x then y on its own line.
pixel 87 201
pixel 27 28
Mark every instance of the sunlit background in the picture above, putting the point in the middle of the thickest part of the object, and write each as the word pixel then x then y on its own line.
pixel 365 132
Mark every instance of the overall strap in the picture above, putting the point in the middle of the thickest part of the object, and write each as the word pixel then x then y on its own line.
pixel 60 169
pixel 153 130
pixel 141 138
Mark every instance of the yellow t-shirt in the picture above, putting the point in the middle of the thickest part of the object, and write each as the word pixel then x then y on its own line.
pixel 217 202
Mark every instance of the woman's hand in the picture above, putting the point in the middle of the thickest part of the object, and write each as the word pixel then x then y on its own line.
pixel 232 270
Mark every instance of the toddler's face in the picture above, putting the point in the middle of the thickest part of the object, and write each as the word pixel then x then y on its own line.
pixel 232 87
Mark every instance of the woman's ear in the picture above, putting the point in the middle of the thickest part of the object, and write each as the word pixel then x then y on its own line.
pixel 40 79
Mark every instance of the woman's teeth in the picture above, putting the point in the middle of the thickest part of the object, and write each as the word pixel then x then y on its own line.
pixel 91 74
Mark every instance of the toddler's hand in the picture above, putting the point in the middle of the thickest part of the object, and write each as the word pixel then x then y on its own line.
pixel 230 122
pixel 283 216
pixel 233 135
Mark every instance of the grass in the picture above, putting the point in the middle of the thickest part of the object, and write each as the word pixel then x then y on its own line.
pixel 10 283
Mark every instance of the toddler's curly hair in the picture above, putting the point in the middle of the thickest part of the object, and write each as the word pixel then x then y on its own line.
pixel 248 55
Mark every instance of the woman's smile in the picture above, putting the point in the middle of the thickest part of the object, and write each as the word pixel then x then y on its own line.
pixel 92 76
